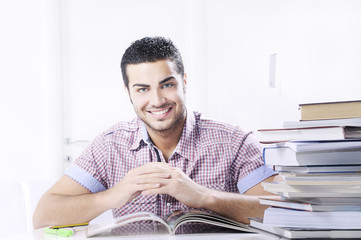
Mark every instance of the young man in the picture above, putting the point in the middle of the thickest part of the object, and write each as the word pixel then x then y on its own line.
pixel 166 159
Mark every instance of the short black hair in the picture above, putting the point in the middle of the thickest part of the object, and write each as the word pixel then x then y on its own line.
pixel 151 49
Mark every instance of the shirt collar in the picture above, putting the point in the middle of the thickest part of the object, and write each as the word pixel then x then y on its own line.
pixel 145 135
pixel 187 142
pixel 142 136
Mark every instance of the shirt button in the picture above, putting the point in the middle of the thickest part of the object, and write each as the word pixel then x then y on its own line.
pixel 168 204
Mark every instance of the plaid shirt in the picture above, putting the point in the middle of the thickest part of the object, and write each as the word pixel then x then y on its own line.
pixel 213 154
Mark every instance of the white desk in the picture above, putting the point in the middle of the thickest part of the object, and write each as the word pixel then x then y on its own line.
pixel 80 234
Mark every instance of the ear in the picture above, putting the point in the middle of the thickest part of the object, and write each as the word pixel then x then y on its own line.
pixel 185 83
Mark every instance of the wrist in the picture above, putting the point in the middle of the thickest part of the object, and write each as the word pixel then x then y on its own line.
pixel 103 200
pixel 117 196
pixel 210 200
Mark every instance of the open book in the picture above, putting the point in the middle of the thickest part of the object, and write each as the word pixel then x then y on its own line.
pixel 171 222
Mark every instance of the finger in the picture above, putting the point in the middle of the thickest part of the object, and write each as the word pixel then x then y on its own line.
pixel 152 178
pixel 147 186
pixel 152 168
pixel 163 173
pixel 163 182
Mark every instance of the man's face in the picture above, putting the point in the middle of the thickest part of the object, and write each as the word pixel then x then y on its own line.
pixel 157 93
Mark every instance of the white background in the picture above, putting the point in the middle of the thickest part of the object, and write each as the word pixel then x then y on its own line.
pixel 60 76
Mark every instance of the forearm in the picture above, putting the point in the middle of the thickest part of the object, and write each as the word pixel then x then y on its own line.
pixel 235 206
pixel 67 202
pixel 57 209
pixel 240 206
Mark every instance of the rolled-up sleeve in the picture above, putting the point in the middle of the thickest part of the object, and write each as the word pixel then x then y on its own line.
pixel 89 169
pixel 250 164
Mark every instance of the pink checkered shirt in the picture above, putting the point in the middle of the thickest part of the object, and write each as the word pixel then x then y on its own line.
pixel 214 154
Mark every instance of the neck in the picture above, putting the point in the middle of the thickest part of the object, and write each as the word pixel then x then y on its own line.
pixel 166 141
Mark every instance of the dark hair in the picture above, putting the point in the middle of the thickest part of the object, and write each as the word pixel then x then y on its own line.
pixel 150 49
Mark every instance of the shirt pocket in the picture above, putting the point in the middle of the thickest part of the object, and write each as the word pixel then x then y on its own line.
pixel 216 185
pixel 211 180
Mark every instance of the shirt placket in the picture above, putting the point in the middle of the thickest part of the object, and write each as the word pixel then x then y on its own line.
pixel 158 210
pixel 164 203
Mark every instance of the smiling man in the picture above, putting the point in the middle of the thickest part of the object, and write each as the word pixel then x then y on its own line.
pixel 168 158
pixel 157 92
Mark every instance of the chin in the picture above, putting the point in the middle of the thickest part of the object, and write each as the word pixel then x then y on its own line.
pixel 159 128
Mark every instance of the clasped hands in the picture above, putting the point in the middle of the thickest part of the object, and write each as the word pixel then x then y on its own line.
pixel 157 178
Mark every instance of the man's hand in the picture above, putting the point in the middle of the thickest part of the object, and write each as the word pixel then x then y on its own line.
pixel 132 185
pixel 177 185
pixel 69 202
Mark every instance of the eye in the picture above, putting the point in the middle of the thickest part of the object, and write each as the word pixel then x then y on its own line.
pixel 168 85
pixel 142 90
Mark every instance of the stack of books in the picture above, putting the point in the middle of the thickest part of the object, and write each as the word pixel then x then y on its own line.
pixel 320 161
pixel 319 121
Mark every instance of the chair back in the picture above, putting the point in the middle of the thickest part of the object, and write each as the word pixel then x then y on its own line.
pixel 12 208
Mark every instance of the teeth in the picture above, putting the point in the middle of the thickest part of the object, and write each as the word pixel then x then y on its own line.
pixel 161 112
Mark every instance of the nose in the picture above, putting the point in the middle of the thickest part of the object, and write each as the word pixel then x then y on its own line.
pixel 157 99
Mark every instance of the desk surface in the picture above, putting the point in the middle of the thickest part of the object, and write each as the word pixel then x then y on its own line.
pixel 39 234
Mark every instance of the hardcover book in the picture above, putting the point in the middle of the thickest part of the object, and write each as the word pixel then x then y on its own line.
pixel 297 233
pixel 283 217
pixel 319 169
pixel 312 207
pixel 330 110
pixel 311 133
pixel 287 156
pixel 317 189
pixel 351 122
pixel 312 190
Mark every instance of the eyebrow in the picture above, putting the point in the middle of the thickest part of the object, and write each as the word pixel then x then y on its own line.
pixel 166 80
pixel 160 83
pixel 140 85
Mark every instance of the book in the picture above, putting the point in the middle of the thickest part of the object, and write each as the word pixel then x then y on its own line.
pixel 172 222
pixel 297 233
pixel 319 169
pixel 336 176
pixel 303 146
pixel 326 179
pixel 305 190
pixel 305 206
pixel 283 217
pixel 311 133
pixel 329 201
pixel 351 122
pixel 317 194
pixel 330 110
pixel 284 187
pixel 286 156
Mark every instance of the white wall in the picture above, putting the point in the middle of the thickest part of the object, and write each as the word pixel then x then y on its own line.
pixel 318 57
pixel 31 122
pixel 95 34
pixel 60 73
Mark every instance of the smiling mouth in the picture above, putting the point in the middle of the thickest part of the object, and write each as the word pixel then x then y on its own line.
pixel 158 113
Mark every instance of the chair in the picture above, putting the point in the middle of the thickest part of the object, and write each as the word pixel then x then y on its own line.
pixel 12 208
pixel 18 203
pixel 33 190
